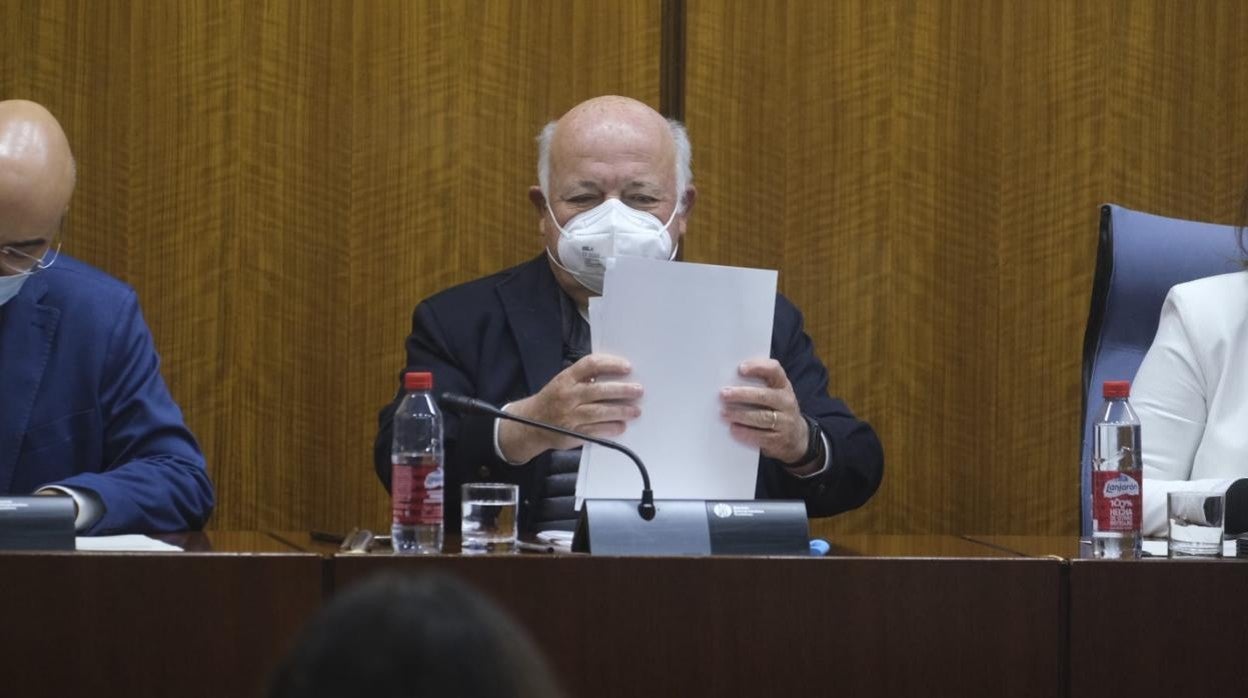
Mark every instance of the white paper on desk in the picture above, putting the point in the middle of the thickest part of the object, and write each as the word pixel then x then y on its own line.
pixel 685 328
pixel 130 543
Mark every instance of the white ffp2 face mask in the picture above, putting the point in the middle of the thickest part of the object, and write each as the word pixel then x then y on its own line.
pixel 11 285
pixel 610 229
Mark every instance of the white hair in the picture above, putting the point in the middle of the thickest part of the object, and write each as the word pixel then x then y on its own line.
pixel 680 138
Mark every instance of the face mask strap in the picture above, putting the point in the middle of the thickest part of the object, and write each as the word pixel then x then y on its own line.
pixel 56 254
pixel 554 260
pixel 551 211
pixel 39 264
pixel 557 263
pixel 550 254
pixel 673 216
pixel 553 219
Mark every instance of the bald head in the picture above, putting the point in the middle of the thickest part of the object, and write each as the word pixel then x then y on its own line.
pixel 610 148
pixel 615 122
pixel 36 174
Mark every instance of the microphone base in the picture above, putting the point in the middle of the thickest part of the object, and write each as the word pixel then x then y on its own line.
pixel 36 523
pixel 693 527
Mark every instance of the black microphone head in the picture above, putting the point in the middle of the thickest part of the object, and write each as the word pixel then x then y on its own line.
pixel 453 401
pixel 463 404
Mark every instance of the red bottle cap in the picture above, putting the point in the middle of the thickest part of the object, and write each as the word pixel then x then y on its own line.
pixel 417 380
pixel 1117 389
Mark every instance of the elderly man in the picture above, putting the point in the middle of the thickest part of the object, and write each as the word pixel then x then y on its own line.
pixel 614 171
pixel 84 411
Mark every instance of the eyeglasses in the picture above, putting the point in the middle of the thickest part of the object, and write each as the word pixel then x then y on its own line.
pixel 18 262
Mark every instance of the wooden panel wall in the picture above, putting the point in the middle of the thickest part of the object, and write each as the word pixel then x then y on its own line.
pixel 926 176
pixel 282 181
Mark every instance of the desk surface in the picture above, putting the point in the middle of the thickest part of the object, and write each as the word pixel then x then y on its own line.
pixel 232 543
pixel 882 615
pixel 209 623
pixel 1065 547
pixel 842 545
pixel 1157 627
pixel 886 616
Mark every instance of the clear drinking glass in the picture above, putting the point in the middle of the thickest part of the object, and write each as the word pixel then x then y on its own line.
pixel 489 519
pixel 1196 523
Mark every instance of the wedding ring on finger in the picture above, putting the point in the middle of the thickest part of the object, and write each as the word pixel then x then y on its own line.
pixel 775 417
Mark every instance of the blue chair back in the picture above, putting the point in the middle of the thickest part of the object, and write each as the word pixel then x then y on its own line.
pixel 1139 257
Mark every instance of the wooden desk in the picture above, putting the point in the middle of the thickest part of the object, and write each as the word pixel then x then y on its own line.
pixel 885 615
pixel 926 546
pixel 212 622
pixel 1064 547
pixel 890 616
pixel 1151 626
pixel 1157 627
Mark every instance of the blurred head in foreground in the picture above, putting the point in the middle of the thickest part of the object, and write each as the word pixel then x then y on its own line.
pixel 405 636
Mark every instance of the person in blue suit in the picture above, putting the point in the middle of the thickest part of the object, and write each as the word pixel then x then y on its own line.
pixel 614 179
pixel 84 411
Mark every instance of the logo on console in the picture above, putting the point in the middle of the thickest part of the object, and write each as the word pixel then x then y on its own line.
pixel 722 510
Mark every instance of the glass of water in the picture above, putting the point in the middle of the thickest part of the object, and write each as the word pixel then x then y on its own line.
pixel 1196 523
pixel 489 520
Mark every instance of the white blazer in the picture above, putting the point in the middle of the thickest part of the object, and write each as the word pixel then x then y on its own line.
pixel 1191 394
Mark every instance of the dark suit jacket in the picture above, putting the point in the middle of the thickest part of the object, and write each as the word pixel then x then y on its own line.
pixel 500 339
pixel 84 405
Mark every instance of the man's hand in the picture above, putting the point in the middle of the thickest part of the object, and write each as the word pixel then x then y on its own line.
pixel 768 417
pixel 576 399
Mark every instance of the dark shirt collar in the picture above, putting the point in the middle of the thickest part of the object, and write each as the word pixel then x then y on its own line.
pixel 576 333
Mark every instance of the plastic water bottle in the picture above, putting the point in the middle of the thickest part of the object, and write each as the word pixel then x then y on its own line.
pixel 416 476
pixel 1117 476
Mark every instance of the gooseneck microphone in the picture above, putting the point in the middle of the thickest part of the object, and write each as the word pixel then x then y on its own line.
pixel 467 405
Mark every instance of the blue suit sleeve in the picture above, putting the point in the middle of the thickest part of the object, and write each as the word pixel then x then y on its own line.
pixel 153 478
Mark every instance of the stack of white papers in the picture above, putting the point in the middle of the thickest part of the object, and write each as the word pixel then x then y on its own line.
pixel 131 543
pixel 685 329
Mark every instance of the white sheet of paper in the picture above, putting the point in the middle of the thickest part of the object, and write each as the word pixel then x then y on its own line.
pixel 685 328
pixel 129 543
pixel 597 325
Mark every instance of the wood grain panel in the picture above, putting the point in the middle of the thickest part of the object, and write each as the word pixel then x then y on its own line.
pixel 1139 103
pixel 182 158
pixel 1097 626
pixel 926 177
pixel 195 625
pixel 944 143
pixel 1052 177
pixel 283 181
pixel 731 626
pixel 455 95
